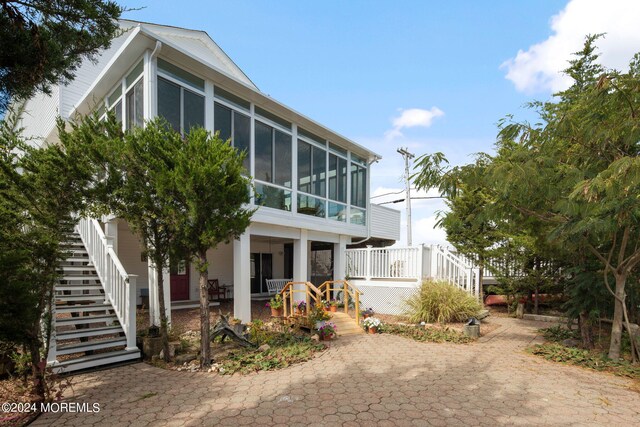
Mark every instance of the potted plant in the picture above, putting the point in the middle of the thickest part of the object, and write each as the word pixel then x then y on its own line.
pixel 276 305
pixel 371 324
pixel 333 305
pixel 326 330
pixel 301 308
pixel 367 313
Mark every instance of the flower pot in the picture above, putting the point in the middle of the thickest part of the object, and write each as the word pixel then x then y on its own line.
pixel 373 330
pixel 333 308
pixel 366 316
pixel 276 312
pixel 326 338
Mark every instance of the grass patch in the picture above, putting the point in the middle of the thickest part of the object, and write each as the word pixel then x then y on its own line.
pixel 285 349
pixel 429 334
pixel 585 358
pixel 441 302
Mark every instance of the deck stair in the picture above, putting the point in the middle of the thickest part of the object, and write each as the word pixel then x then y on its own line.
pixel 87 332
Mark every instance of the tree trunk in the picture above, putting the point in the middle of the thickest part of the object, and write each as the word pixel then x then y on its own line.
pixel 480 280
pixel 37 370
pixel 586 331
pixel 205 344
pixel 536 301
pixel 616 327
pixel 164 332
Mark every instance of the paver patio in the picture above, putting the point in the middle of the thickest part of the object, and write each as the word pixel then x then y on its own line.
pixel 368 380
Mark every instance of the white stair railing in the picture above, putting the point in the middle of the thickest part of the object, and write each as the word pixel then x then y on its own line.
pixel 119 287
pixel 454 269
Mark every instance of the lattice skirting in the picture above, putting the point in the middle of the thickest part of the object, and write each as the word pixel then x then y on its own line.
pixel 386 299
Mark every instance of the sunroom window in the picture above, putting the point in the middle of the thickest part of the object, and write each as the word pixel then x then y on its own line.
pixel 272 155
pixel 181 107
pixel 235 126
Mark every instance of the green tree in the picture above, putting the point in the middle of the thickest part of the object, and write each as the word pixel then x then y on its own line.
pixel 212 193
pixel 583 158
pixel 44 42
pixel 40 191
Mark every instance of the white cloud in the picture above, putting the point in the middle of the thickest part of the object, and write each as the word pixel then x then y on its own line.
pixel 539 68
pixel 413 117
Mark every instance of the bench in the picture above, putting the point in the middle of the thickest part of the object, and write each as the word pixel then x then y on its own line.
pixel 275 285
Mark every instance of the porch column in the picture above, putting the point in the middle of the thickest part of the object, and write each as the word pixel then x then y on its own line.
pixel 242 277
pixel 300 257
pixel 340 259
pixel 154 301
pixel 111 230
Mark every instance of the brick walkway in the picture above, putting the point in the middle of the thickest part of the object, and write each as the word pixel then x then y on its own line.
pixel 368 380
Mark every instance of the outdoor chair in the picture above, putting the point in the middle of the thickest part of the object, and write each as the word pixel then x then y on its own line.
pixel 216 292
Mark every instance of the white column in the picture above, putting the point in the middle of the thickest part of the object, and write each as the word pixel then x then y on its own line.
pixel 242 277
pixel 166 281
pixel 154 303
pixel 340 258
pixel 300 257
pixel 111 230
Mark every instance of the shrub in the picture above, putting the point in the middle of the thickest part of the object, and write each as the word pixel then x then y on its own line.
pixel 429 334
pixel 441 302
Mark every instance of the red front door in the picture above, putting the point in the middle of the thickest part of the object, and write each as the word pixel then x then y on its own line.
pixel 179 281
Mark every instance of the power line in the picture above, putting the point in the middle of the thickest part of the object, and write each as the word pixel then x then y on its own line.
pixel 412 198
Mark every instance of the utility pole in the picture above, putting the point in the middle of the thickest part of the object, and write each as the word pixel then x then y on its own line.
pixel 407 156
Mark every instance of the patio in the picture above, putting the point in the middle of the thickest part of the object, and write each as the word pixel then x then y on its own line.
pixel 365 379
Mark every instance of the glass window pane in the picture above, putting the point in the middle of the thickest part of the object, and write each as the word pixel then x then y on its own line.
pixel 358 216
pixel 133 75
pixel 231 98
pixel 311 206
pixel 193 110
pixel 282 159
pixel 337 212
pixel 272 197
pixel 272 117
pixel 180 74
pixel 222 120
pixel 342 180
pixel 319 171
pixel 304 167
pixel 337 174
pixel 135 106
pixel 169 102
pixel 117 109
pixel 113 98
pixel 242 136
pixel 358 186
pixel 311 136
pixel 264 152
pixel 339 150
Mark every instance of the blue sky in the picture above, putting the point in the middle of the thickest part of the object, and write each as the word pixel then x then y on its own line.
pixel 427 75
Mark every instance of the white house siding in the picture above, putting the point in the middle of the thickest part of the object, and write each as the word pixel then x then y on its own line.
pixel 86 75
pixel 129 251
pixel 39 117
pixel 385 222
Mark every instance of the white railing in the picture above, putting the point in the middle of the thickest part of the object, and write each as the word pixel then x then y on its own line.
pixel 414 263
pixel 385 263
pixel 119 287
pixel 454 269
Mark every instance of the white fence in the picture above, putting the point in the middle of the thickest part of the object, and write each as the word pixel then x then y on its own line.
pixel 385 274
pixel 119 287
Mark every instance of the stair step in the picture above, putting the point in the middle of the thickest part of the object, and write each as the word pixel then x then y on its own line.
pixel 81 297
pixel 78 287
pixel 78 259
pixel 72 268
pixel 91 345
pixel 101 359
pixel 77 244
pixel 85 308
pixel 85 320
pixel 70 278
pixel 88 332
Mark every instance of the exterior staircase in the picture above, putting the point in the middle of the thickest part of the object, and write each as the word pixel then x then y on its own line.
pixel 87 331
pixel 345 324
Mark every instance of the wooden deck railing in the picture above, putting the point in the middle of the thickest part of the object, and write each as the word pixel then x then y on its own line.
pixel 347 289
pixel 309 293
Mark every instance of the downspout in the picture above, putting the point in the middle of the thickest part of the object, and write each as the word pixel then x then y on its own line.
pixel 156 50
pixel 372 160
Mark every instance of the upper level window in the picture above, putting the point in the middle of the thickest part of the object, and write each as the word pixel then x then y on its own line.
pixel 272 155
pixel 337 178
pixel 235 126
pixel 182 108
pixel 358 185
pixel 312 169
pixel 129 106
pixel 179 75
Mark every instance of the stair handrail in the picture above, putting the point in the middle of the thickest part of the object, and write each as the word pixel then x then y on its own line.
pixel 468 271
pixel 119 287
pixel 311 293
pixel 348 289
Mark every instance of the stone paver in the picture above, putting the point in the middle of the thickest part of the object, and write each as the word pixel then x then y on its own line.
pixel 365 380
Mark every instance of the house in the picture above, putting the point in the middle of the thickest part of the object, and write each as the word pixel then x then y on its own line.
pixel 312 185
